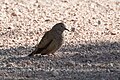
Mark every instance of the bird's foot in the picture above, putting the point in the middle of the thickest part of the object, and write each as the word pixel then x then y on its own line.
pixel 54 56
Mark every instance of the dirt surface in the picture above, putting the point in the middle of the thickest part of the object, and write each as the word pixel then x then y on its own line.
pixel 91 50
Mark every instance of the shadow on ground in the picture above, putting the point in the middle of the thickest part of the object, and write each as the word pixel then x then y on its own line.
pixel 97 61
pixel 96 52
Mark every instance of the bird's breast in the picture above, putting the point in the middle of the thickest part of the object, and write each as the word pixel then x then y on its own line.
pixel 59 39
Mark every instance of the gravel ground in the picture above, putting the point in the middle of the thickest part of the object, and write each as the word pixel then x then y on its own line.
pixel 91 50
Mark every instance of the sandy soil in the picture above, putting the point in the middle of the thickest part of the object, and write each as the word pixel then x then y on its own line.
pixel 91 50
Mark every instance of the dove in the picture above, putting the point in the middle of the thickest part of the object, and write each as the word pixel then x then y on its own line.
pixel 51 41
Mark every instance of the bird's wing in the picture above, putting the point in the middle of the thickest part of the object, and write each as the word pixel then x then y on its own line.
pixel 39 50
pixel 45 41
pixel 51 48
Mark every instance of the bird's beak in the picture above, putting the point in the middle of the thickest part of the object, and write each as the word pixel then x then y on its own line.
pixel 66 29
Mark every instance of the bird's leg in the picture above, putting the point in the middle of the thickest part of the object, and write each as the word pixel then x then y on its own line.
pixel 55 55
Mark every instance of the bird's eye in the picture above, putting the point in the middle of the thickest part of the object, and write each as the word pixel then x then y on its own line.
pixel 62 26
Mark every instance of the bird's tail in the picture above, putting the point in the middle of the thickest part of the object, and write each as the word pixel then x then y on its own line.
pixel 32 54
pixel 36 51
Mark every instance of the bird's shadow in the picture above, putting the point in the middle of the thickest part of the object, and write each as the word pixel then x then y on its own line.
pixel 96 52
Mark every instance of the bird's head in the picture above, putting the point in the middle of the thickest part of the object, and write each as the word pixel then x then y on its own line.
pixel 59 27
